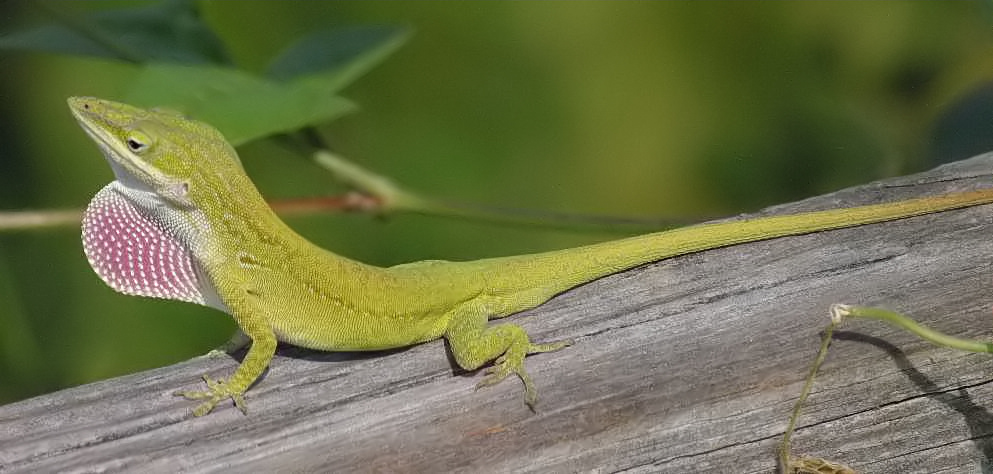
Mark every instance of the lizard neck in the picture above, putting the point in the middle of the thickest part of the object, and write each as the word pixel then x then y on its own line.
pixel 249 247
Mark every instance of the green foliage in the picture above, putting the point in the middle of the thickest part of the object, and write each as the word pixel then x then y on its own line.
pixel 164 31
pixel 337 57
pixel 247 107
pixel 184 66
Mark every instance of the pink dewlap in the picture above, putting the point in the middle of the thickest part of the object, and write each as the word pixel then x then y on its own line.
pixel 135 255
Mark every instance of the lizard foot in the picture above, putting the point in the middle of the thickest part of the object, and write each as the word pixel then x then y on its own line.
pixel 217 391
pixel 512 362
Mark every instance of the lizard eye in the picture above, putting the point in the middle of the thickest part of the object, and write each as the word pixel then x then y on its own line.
pixel 137 141
pixel 135 144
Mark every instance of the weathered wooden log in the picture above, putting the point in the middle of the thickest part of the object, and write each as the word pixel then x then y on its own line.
pixel 691 364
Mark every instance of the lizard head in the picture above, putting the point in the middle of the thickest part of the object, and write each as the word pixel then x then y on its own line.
pixel 158 151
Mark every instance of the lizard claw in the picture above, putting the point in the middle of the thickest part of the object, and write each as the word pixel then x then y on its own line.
pixel 504 366
pixel 512 362
pixel 217 391
pixel 495 373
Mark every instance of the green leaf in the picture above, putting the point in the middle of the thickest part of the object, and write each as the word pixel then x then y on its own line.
pixel 337 57
pixel 242 106
pixel 171 30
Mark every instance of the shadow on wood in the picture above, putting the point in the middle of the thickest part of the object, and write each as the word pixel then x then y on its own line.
pixel 687 365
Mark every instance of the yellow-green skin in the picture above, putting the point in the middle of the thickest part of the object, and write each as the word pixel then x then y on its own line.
pixel 280 287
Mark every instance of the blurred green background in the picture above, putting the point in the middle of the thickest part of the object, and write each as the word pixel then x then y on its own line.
pixel 630 109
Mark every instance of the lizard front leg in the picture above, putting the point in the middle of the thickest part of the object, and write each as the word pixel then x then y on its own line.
pixel 255 326
pixel 474 343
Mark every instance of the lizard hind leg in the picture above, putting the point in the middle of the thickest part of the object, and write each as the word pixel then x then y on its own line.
pixel 473 344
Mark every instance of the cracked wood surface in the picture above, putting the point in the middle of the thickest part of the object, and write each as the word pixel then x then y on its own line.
pixel 687 365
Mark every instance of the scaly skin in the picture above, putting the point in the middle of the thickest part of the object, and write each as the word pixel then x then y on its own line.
pixel 183 177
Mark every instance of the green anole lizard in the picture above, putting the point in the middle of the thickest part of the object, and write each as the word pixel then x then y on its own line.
pixel 183 221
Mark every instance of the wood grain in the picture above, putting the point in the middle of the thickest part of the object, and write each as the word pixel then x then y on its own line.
pixel 687 365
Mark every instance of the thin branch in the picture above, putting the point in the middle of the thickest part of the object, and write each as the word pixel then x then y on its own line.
pixel 395 198
pixel 36 220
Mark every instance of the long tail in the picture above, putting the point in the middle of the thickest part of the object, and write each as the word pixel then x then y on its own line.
pixel 564 269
